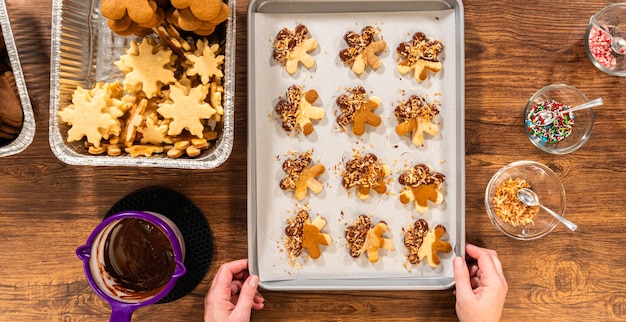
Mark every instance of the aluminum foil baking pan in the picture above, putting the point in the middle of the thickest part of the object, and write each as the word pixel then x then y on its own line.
pixel 25 138
pixel 269 145
pixel 83 52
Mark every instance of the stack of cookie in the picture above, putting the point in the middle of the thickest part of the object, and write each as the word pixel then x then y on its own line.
pixel 11 115
pixel 139 17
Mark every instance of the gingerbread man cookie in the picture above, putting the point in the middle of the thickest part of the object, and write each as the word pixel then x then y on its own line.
pixel 433 245
pixel 301 175
pixel 357 109
pixel 414 239
pixel 293 46
pixel 301 234
pixel 140 11
pixel 363 238
pixel 419 55
pixel 366 173
pixel 363 50
pixel 415 115
pixel 297 109
pixel 421 184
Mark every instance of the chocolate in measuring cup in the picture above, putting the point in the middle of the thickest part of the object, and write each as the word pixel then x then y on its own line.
pixel 133 259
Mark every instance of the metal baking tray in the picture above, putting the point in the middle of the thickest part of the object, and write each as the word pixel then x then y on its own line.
pixel 83 52
pixel 268 144
pixel 25 138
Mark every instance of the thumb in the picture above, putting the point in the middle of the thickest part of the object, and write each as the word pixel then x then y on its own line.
pixel 461 278
pixel 246 296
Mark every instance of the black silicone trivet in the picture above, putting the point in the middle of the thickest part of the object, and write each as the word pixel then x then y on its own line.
pixel 191 223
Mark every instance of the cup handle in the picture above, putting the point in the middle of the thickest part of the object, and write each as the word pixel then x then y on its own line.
pixel 121 313
pixel 84 252
pixel 180 269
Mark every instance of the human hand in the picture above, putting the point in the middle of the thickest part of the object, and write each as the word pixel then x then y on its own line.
pixel 480 288
pixel 233 294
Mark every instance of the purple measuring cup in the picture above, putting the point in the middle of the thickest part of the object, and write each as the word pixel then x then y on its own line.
pixel 125 302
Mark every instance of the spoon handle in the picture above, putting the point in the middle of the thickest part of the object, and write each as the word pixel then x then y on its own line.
pixel 572 226
pixel 593 103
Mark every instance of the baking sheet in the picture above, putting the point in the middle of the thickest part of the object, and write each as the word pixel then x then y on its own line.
pixel 83 52
pixel 26 136
pixel 269 206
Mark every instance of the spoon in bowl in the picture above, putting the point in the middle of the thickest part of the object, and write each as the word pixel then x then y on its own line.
pixel 618 44
pixel 546 117
pixel 530 198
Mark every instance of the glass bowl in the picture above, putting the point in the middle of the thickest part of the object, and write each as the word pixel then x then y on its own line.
pixel 544 182
pixel 566 134
pixel 597 41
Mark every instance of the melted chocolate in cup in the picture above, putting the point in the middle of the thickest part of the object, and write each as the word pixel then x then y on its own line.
pixel 132 259
pixel 138 258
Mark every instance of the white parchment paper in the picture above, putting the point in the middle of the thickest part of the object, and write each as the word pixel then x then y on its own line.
pixel 333 147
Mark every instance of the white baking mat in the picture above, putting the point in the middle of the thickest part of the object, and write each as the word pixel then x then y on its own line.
pixel 332 148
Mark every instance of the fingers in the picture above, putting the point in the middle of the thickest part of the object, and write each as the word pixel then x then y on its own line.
pixel 247 296
pixel 228 271
pixel 461 278
pixel 487 259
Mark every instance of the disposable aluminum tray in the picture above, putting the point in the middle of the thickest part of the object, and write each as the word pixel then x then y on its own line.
pixel 83 52
pixel 269 145
pixel 25 138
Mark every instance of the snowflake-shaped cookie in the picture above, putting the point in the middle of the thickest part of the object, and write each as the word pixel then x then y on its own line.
pixel 421 184
pixel 297 109
pixel 154 130
pixel 415 115
pixel 187 109
pixel 420 55
pixel 363 50
pixel 148 67
pixel 88 117
pixel 206 63
pixel 357 109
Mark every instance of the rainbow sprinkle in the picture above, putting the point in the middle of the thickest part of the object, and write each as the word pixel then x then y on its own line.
pixel 555 132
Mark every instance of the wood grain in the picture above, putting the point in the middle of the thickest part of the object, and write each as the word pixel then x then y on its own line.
pixel 513 48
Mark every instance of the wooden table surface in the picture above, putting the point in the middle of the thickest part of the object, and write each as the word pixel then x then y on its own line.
pixel 513 48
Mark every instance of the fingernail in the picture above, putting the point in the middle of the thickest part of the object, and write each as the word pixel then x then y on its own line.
pixel 458 262
pixel 254 281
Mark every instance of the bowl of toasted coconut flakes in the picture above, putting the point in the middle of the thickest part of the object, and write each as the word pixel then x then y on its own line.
pixel 509 215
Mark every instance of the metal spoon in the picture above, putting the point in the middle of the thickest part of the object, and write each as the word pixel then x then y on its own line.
pixel 529 198
pixel 618 44
pixel 548 116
